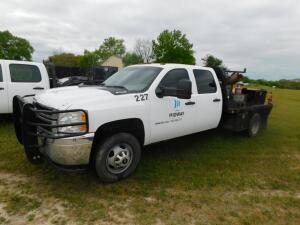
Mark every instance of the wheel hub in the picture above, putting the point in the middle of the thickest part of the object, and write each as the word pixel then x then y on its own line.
pixel 119 158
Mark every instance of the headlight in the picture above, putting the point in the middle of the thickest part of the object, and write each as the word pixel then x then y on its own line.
pixel 72 117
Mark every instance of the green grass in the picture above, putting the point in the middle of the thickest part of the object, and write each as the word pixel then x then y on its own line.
pixel 215 177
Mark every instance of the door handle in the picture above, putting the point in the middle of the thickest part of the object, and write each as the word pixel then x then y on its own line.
pixel 38 88
pixel 1 88
pixel 190 103
pixel 216 100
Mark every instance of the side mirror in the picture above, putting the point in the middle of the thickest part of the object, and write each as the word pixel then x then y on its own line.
pixel 184 89
pixel 159 92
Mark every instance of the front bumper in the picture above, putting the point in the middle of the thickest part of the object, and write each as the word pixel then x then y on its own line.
pixel 68 152
pixel 36 128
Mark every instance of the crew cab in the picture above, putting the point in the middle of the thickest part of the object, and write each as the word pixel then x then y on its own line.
pixel 105 126
pixel 20 78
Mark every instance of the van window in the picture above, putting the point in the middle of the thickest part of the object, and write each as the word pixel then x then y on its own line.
pixel 205 81
pixel 25 73
pixel 1 77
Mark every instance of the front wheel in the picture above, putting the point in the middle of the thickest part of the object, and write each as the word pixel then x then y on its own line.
pixel 117 157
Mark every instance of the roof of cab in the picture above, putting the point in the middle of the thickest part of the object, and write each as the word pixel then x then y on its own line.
pixel 20 62
pixel 173 65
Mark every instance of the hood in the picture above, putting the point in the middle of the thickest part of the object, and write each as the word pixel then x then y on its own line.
pixel 72 97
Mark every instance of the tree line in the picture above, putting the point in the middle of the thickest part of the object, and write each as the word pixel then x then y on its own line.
pixel 283 83
pixel 169 47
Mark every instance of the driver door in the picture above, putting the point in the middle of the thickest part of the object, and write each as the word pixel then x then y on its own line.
pixel 170 116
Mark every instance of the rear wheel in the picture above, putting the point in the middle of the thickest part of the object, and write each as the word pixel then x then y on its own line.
pixel 117 157
pixel 254 125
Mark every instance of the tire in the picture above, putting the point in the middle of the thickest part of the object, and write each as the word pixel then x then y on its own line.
pixel 117 157
pixel 255 124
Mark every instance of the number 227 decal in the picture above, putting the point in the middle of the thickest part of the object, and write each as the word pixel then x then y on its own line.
pixel 141 97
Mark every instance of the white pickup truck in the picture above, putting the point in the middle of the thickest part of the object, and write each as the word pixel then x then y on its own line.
pixel 20 78
pixel 104 127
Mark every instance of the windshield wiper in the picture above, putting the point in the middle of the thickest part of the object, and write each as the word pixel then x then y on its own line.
pixel 116 86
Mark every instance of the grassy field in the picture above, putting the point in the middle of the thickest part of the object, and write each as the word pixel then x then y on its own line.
pixel 214 177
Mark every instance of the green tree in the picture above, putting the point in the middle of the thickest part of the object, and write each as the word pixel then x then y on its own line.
pixel 66 59
pixel 111 46
pixel 15 48
pixel 212 61
pixel 89 59
pixel 173 47
pixel 132 58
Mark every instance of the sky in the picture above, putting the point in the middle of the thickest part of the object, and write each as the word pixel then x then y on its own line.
pixel 261 35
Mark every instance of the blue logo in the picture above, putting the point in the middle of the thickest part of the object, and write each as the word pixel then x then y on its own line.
pixel 176 104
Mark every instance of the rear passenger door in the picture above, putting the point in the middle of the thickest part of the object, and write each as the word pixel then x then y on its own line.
pixel 25 79
pixel 208 100
pixel 3 92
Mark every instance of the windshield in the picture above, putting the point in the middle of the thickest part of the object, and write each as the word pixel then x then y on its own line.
pixel 134 79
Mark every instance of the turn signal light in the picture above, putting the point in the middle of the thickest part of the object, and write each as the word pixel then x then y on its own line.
pixel 83 127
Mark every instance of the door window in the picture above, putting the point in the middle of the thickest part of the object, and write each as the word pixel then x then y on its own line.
pixel 205 81
pixel 1 77
pixel 172 78
pixel 25 73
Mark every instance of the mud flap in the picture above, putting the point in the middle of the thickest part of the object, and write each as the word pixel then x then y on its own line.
pixel 29 136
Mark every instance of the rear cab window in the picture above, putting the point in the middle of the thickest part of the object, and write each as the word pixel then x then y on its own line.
pixel 25 73
pixel 205 81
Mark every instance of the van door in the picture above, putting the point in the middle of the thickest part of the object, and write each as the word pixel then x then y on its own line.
pixel 208 100
pixel 3 92
pixel 25 79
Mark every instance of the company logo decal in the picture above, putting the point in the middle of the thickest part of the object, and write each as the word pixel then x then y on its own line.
pixel 176 104
pixel 175 116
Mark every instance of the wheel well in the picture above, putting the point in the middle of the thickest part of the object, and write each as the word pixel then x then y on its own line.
pixel 133 126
